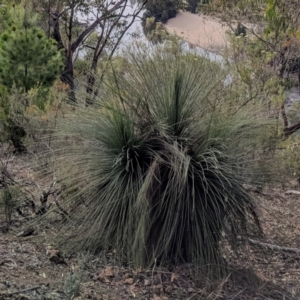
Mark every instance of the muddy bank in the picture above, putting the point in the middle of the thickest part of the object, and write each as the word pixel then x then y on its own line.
pixel 206 32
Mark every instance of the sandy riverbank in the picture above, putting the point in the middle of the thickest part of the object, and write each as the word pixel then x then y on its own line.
pixel 204 31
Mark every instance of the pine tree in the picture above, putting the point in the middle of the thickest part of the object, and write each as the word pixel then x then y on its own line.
pixel 27 57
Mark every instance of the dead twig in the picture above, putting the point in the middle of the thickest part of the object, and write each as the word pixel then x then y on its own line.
pixel 6 261
pixel 21 291
pixel 273 247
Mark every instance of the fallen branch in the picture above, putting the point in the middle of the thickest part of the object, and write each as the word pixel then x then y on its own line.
pixel 292 192
pixel 26 232
pixel 21 291
pixel 6 261
pixel 290 130
pixel 274 247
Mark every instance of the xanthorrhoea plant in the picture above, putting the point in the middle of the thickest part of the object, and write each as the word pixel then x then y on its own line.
pixel 156 171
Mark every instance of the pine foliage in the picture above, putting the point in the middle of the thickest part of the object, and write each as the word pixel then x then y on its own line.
pixel 28 58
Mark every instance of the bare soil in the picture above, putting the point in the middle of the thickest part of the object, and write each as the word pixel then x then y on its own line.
pixel 31 269
pixel 207 32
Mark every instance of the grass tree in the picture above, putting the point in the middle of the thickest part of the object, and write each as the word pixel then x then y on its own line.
pixel 156 172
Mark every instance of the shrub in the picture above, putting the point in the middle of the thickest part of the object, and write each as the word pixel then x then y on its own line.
pixel 29 64
pixel 162 11
pixel 28 58
pixel 9 200
pixel 157 170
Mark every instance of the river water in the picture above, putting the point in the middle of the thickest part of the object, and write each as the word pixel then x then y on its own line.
pixel 135 34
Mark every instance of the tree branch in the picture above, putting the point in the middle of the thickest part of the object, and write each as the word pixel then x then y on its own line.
pixel 290 130
pixel 21 291
pixel 89 29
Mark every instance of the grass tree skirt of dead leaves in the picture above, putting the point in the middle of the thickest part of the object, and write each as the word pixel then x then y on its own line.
pixel 154 170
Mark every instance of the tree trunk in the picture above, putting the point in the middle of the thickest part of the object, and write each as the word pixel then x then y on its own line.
pixel 56 29
pixel 91 82
pixel 299 77
pixel 91 91
pixel 68 75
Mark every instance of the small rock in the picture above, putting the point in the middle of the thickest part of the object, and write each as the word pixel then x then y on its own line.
pixel 129 281
pixel 26 232
pixel 157 289
pixel 103 278
pixel 169 289
pixel 55 256
pixel 54 295
pixel 147 282
pixel 109 271
pixel 191 290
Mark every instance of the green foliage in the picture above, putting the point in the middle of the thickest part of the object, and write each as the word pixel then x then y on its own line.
pixel 162 10
pixel 72 284
pixel 251 10
pixel 250 63
pixel 81 67
pixel 27 57
pixel 29 62
pixel 275 17
pixel 4 105
pixel 156 172
pixel 9 200
pixel 73 281
pixel 192 5
pixel 290 156
pixel 4 15
pixel 240 30
pixel 10 130
pixel 154 31
pixel 25 116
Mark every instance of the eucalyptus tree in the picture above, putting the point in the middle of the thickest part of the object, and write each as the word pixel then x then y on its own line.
pixel 107 18
pixel 274 23
pixel 273 29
